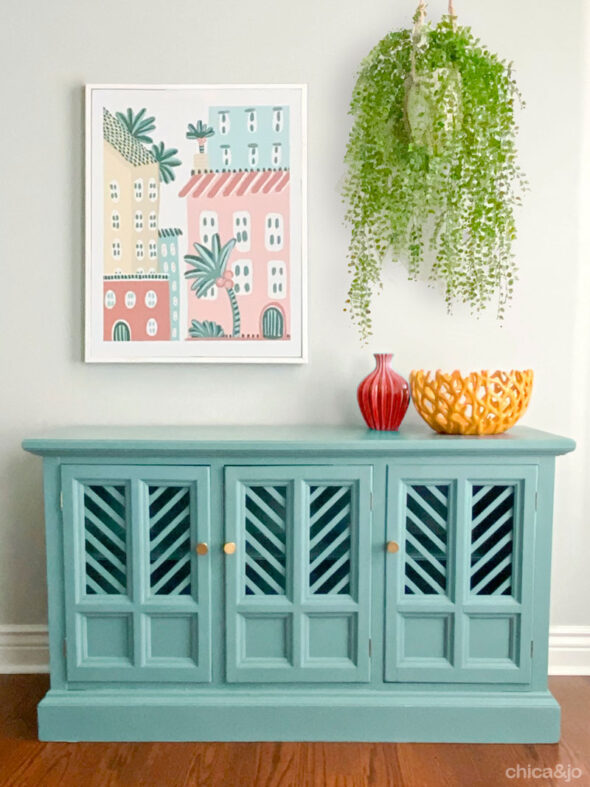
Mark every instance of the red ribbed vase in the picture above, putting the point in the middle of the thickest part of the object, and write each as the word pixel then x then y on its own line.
pixel 383 396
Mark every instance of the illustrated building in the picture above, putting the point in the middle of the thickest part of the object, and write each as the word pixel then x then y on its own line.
pixel 136 295
pixel 136 307
pixel 169 264
pixel 240 189
pixel 251 206
pixel 249 137
pixel 131 201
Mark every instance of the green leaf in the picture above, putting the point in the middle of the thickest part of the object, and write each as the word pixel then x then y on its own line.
pixel 205 329
pixel 208 264
pixel 199 131
pixel 166 161
pixel 137 125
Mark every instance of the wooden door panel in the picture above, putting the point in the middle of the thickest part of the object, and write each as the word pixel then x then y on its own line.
pixel 137 595
pixel 298 584
pixel 459 592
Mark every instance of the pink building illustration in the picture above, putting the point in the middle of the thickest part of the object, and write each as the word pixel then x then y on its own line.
pixel 136 307
pixel 251 206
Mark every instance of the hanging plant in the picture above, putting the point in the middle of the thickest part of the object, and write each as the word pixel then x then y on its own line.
pixel 432 174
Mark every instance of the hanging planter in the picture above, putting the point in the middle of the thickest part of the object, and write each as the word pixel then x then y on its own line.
pixel 432 96
pixel 432 176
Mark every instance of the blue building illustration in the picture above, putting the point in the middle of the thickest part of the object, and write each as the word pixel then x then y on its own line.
pixel 249 137
pixel 169 262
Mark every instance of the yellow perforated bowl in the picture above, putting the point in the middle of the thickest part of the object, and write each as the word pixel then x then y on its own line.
pixel 477 403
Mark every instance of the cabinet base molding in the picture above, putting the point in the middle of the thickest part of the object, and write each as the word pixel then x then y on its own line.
pixel 512 717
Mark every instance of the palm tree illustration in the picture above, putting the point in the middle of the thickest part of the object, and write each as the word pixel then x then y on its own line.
pixel 205 330
pixel 165 157
pixel 137 124
pixel 201 132
pixel 209 270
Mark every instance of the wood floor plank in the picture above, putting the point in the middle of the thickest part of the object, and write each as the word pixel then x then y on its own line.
pixel 27 762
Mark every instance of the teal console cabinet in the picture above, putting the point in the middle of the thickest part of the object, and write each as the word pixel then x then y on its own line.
pixel 301 583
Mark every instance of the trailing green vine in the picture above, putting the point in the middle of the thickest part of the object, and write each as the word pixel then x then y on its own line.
pixel 432 172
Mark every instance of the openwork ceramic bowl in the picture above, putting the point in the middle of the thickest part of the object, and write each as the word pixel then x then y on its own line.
pixel 478 403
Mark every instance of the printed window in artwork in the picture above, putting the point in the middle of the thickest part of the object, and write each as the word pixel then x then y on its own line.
pixel 276 154
pixel 166 267
pixel 139 251
pixel 277 280
pixel 173 267
pixel 226 155
pixel 224 122
pixel 277 119
pixel 175 301
pixel 114 190
pixel 151 299
pixel 130 299
pixel 242 230
pixel 174 286
pixel 251 120
pixel 153 220
pixel 115 220
pixel 208 224
pixel 138 220
pixel 153 247
pixel 273 231
pixel 253 154
pixel 172 250
pixel 163 250
pixel 210 294
pixel 116 249
pixel 242 271
pixel 138 189
pixel 152 327
pixel 152 190
pixel 110 299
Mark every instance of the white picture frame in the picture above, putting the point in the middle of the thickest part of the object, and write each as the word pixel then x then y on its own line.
pixel 147 194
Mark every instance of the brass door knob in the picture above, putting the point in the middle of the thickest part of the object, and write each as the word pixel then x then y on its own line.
pixel 202 548
pixel 229 548
pixel 392 547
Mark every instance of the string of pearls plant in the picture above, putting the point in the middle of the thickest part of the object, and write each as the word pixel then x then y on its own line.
pixel 432 174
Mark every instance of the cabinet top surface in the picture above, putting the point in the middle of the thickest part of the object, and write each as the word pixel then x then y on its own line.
pixel 286 439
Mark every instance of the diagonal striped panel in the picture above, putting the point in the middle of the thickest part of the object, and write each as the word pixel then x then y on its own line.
pixel 265 560
pixel 426 539
pixel 492 539
pixel 170 540
pixel 105 539
pixel 330 540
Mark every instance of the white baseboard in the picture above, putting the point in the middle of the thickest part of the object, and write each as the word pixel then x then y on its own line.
pixel 569 650
pixel 25 649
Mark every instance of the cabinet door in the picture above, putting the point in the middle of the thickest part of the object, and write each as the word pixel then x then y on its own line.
pixel 298 582
pixel 459 590
pixel 137 593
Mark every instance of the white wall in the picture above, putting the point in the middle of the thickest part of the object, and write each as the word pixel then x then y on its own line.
pixel 48 50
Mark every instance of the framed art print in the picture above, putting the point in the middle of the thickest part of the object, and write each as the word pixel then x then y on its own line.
pixel 195 223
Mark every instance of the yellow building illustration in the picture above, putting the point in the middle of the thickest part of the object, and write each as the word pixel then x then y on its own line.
pixel 131 202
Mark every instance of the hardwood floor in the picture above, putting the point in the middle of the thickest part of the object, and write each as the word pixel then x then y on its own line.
pixel 25 761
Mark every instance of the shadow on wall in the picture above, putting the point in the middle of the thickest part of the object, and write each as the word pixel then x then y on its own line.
pixel 76 177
